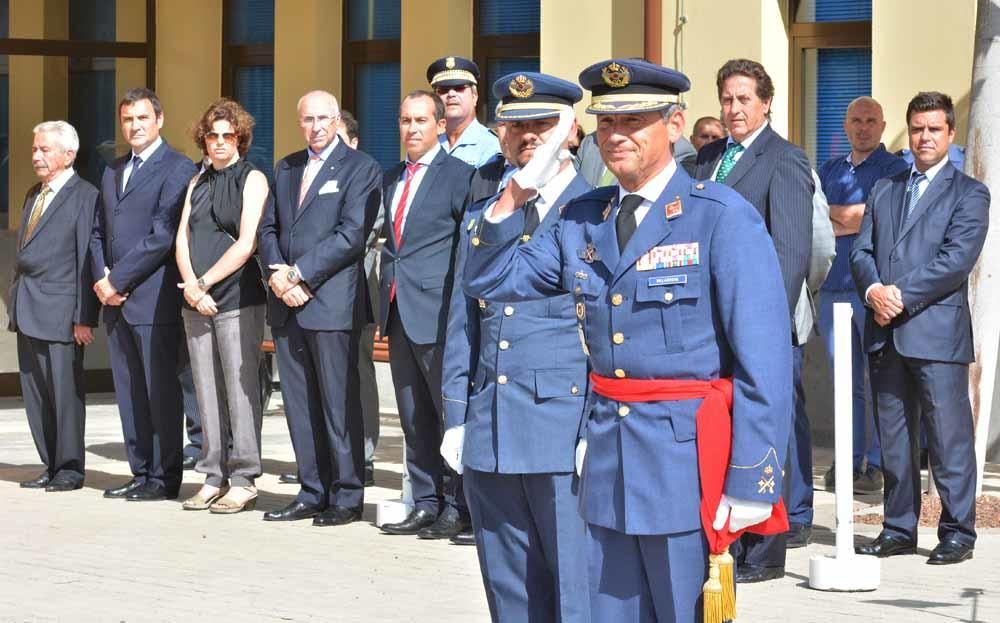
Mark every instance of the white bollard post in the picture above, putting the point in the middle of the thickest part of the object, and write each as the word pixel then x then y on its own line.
pixel 845 571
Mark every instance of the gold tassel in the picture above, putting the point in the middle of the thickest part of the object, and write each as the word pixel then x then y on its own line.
pixel 712 593
pixel 725 560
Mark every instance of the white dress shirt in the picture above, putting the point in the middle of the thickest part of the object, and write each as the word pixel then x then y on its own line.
pixel 746 142
pixel 55 186
pixel 425 161
pixel 548 195
pixel 145 155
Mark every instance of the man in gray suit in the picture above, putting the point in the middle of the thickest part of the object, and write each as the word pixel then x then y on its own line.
pixel 52 307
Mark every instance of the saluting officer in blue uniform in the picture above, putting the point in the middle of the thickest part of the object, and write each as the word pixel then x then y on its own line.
pixel 515 379
pixel 673 280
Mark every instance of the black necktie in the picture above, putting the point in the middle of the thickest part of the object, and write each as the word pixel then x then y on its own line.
pixel 531 219
pixel 625 221
pixel 136 163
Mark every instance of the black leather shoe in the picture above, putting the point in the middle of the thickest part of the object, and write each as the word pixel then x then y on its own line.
pixel 288 478
pixel 798 535
pixel 337 516
pixel 122 491
pixel 949 552
pixel 448 524
pixel 750 574
pixel 293 512
pixel 190 462
pixel 414 523
pixel 369 474
pixel 465 537
pixel 151 492
pixel 37 483
pixel 886 545
pixel 64 483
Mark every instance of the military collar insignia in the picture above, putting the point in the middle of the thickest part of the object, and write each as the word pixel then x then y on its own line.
pixel 472 223
pixel 589 254
pixel 450 62
pixel 606 213
pixel 521 87
pixel 673 209
pixel 616 76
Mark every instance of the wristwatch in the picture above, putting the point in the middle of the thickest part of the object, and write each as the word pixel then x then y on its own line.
pixel 202 284
pixel 292 276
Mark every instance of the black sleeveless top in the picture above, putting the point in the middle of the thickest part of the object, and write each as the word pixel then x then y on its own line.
pixel 213 227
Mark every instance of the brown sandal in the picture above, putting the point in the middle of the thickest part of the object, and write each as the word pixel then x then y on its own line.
pixel 198 503
pixel 228 506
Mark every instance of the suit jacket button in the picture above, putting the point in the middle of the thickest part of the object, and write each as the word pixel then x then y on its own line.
pixel 504 344
pixel 623 410
pixel 669 296
pixel 574 390
pixel 618 338
pixel 502 379
pixel 620 373
pixel 508 311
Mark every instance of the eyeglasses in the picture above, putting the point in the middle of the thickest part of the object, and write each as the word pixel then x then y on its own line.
pixel 460 88
pixel 212 137
pixel 317 120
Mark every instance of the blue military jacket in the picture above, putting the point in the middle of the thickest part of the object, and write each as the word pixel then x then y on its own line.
pixel 696 294
pixel 515 372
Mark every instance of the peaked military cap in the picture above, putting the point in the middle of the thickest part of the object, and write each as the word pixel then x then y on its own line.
pixel 452 71
pixel 527 95
pixel 620 86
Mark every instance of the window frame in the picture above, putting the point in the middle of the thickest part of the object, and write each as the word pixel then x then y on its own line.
pixel 486 47
pixel 363 52
pixel 235 56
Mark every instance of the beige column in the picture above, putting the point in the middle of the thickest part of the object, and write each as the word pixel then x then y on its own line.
pixel 307 56
pixel 188 65
pixel 903 64
pixel 423 39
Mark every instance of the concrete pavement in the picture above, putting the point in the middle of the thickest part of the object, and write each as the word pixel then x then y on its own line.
pixel 78 557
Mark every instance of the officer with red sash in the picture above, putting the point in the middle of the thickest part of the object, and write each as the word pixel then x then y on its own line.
pixel 679 302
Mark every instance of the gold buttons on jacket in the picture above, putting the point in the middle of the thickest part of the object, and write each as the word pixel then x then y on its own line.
pixel 623 410
pixel 620 373
pixel 577 290
pixel 508 311
pixel 504 344
pixel 475 241
pixel 616 299
pixel 618 338
pixel 574 390
pixel 502 379
pixel 669 296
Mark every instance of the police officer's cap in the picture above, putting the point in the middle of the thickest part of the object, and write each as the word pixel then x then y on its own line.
pixel 452 71
pixel 528 95
pixel 622 86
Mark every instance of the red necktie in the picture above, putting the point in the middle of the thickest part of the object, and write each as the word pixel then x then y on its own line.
pixel 397 219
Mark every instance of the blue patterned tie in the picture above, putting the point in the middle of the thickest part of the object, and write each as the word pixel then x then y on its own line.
pixel 728 162
pixel 912 194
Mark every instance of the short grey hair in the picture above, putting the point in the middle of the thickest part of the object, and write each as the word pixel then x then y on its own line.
pixel 665 113
pixel 66 136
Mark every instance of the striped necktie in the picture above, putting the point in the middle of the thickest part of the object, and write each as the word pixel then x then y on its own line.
pixel 36 212
pixel 912 195
pixel 728 162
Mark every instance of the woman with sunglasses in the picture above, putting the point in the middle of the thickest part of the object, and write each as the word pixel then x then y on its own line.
pixel 224 306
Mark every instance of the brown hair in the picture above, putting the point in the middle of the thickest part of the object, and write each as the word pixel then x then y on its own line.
pixel 750 69
pixel 229 110
pixel 926 101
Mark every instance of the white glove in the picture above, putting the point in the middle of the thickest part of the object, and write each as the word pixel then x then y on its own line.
pixel 581 453
pixel 548 157
pixel 741 513
pixel 451 447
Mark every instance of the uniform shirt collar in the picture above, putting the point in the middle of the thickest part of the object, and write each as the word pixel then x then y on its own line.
pixel 932 172
pixel 873 157
pixel 652 189
pixel 146 153
pixel 469 135
pixel 551 191
pixel 323 155
pixel 748 141
pixel 60 180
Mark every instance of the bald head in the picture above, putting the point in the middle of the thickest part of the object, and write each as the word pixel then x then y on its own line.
pixel 864 125
pixel 318 116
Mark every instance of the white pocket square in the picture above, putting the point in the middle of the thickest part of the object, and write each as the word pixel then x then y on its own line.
pixel 329 187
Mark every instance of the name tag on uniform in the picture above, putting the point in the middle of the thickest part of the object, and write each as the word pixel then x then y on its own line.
pixel 667 280
pixel 669 256
pixel 329 187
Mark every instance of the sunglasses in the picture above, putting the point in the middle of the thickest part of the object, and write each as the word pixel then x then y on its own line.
pixel 212 137
pixel 442 91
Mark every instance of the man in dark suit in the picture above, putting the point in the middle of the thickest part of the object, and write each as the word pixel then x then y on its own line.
pixel 312 237
pixel 52 306
pixel 425 197
pixel 775 177
pixel 921 236
pixel 131 250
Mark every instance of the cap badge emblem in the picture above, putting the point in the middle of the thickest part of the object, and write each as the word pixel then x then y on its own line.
pixel 521 87
pixel 615 76
pixel 450 62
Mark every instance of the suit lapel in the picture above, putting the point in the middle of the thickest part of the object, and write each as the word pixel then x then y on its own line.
pixel 387 197
pixel 655 226
pixel 326 172
pixel 746 161
pixel 29 203
pixel 57 202
pixel 120 175
pixel 934 190
pixel 425 187
pixel 136 178
pixel 896 196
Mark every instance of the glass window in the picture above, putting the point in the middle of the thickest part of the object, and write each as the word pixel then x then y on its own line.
pixel 92 20
pixel 498 68
pixel 253 87
pixel 373 19
pixel 84 20
pixel 833 77
pixel 834 11
pixel 376 107
pixel 249 22
pixel 501 17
